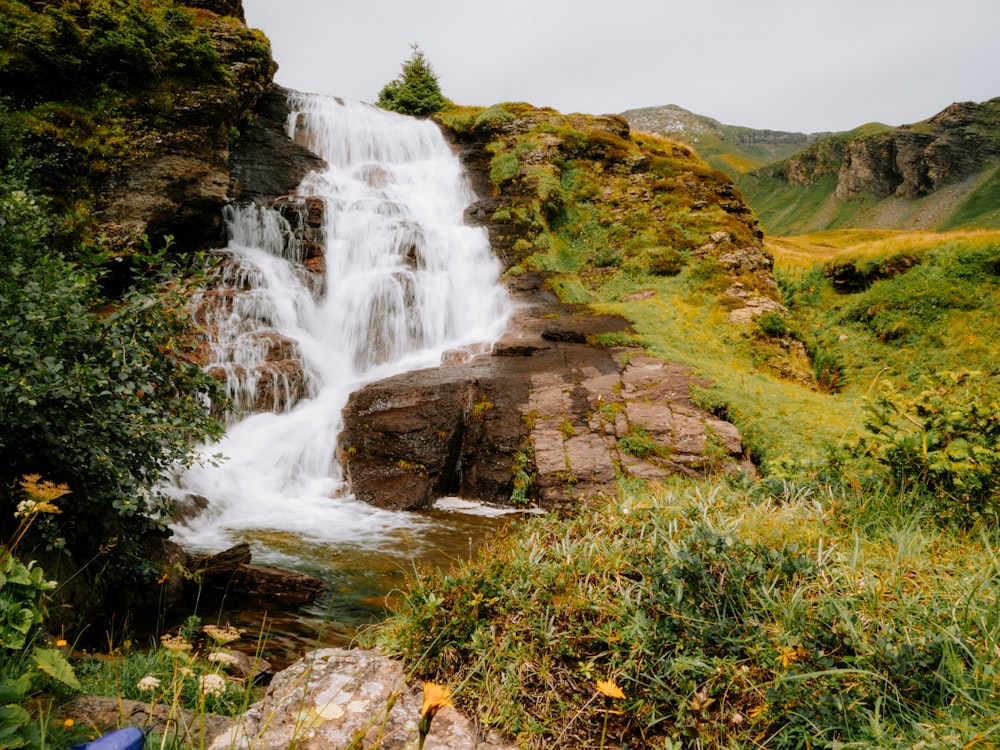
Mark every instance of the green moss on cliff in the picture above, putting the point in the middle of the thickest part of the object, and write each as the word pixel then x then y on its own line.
pixel 88 86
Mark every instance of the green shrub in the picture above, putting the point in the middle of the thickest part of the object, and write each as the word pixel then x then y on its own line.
pixel 638 443
pixel 772 324
pixel 607 257
pixel 944 438
pixel 665 261
pixel 94 392
pixel 67 50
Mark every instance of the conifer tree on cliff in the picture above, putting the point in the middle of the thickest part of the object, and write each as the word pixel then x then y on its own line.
pixel 416 90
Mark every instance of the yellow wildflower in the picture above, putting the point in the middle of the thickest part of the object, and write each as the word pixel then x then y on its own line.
pixel 436 697
pixel 68 723
pixel 756 711
pixel 609 689
pixel 222 635
pixel 61 643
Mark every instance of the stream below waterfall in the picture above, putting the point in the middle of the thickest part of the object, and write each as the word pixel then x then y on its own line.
pixel 405 281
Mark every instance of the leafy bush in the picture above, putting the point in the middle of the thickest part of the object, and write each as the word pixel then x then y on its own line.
pixel 945 438
pixel 638 443
pixel 27 667
pixel 416 91
pixel 772 324
pixel 55 50
pixel 94 392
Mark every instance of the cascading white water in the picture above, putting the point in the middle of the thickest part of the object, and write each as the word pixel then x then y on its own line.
pixel 405 281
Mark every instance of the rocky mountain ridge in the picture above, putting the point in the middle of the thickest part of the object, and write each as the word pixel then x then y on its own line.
pixel 731 148
pixel 907 162
pixel 940 173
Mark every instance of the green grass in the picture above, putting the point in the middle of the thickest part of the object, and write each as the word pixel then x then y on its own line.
pixel 729 616
pixel 981 207
pixel 939 315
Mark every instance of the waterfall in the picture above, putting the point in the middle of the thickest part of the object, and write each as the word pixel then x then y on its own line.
pixel 404 282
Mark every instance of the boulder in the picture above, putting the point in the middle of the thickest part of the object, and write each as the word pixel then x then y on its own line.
pixel 545 392
pixel 338 698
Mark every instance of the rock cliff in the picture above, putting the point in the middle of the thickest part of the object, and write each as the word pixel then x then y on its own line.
pixel 177 173
pixel 907 162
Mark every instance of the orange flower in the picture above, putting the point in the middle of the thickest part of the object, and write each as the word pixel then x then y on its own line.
pixel 436 697
pixel 68 723
pixel 610 689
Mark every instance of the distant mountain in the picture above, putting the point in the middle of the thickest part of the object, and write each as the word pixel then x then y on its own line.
pixel 730 148
pixel 940 173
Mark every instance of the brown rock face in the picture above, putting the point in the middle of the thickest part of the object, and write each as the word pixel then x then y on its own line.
pixel 265 163
pixel 178 179
pixel 575 413
pixel 909 161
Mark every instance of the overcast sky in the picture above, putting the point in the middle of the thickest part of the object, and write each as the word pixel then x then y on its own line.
pixel 796 65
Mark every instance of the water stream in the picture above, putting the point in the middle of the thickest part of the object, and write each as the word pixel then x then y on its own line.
pixel 405 281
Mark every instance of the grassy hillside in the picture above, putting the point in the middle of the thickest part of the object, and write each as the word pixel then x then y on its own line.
pixel 731 148
pixel 839 600
pixel 786 209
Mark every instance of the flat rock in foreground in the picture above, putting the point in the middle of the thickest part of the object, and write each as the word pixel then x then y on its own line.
pixel 333 697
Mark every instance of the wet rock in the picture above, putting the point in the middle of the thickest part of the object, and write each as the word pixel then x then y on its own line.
pixel 454 431
pixel 231 573
pixel 264 161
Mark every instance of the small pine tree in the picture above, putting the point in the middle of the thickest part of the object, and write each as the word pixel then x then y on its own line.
pixel 416 90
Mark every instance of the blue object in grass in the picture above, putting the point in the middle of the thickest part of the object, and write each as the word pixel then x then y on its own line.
pixel 129 738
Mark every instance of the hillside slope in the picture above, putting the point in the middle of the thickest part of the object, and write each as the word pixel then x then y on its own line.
pixel 731 148
pixel 941 173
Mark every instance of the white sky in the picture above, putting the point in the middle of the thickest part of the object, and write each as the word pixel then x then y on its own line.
pixel 796 65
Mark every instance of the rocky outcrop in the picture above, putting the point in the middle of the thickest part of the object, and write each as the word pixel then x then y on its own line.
pixel 906 162
pixel 550 416
pixel 547 418
pixel 265 163
pixel 338 698
pixel 177 177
